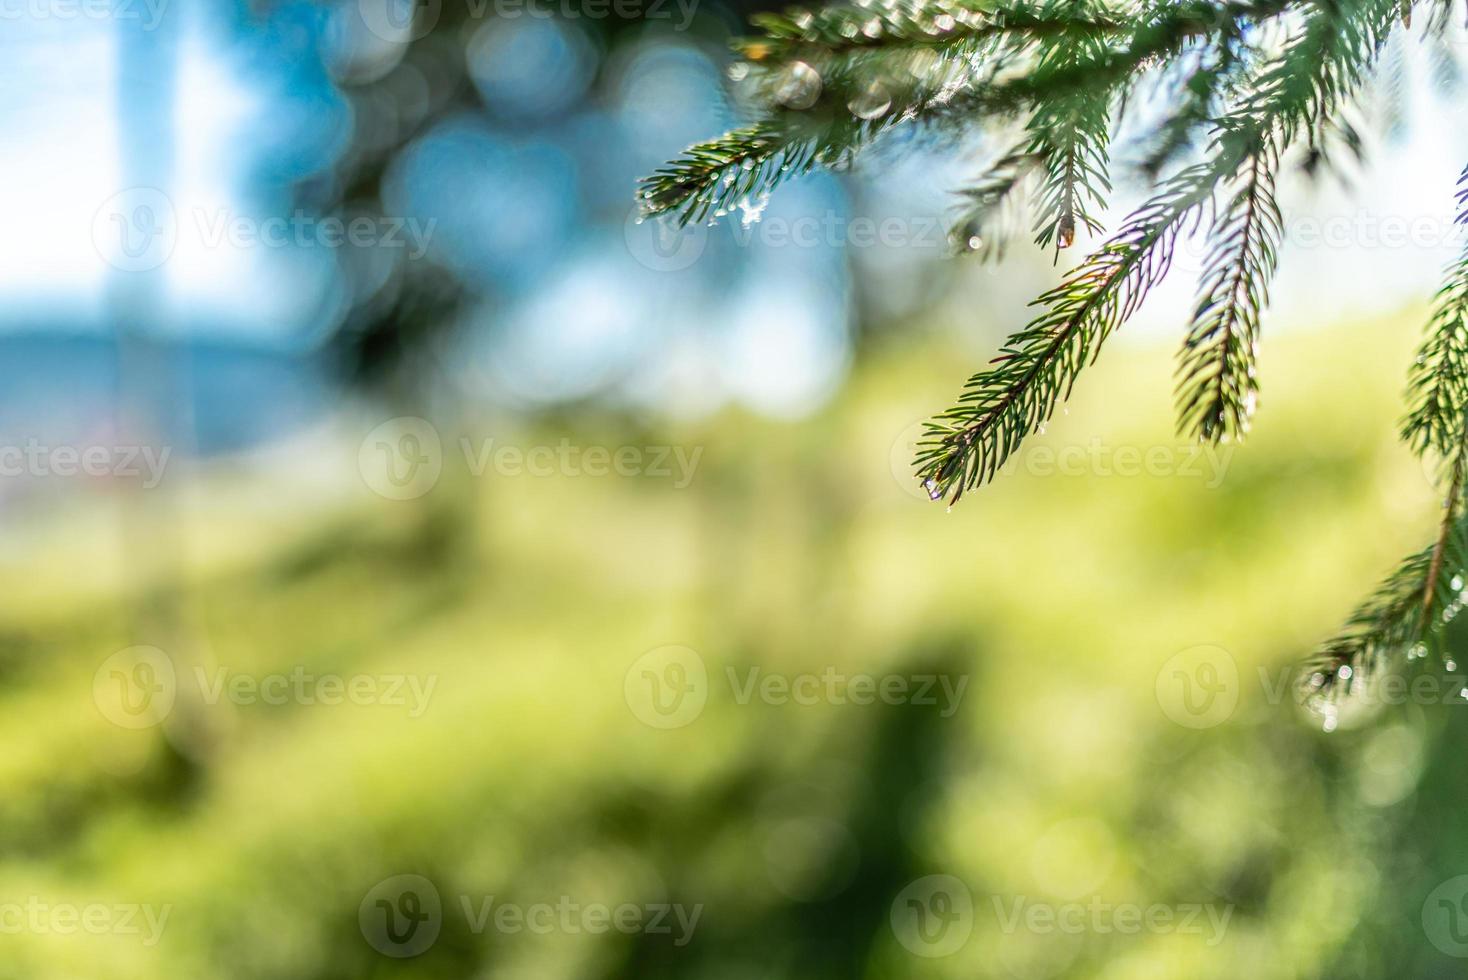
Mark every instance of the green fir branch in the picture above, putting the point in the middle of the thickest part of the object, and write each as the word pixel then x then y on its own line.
pixel 1243 83
pixel 1017 394
pixel 1437 383
pixel 1217 384
pixel 1408 611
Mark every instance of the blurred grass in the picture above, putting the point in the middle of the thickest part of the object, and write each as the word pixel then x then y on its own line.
pixel 797 547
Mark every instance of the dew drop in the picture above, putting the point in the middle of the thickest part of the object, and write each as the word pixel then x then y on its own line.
pixel 799 86
pixel 1065 235
pixel 974 243
pixel 934 491
pixel 739 71
pixel 873 27
pixel 1451 665
pixel 871 102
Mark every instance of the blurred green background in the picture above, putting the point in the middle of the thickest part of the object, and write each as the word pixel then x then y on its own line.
pixel 1063 776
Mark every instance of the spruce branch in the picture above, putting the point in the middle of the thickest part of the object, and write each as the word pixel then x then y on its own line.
pixel 1243 84
pixel 713 177
pixel 1437 383
pixel 1410 608
pixel 1071 137
pixel 1036 369
pixel 820 101
pixel 1217 387
pixel 1038 366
